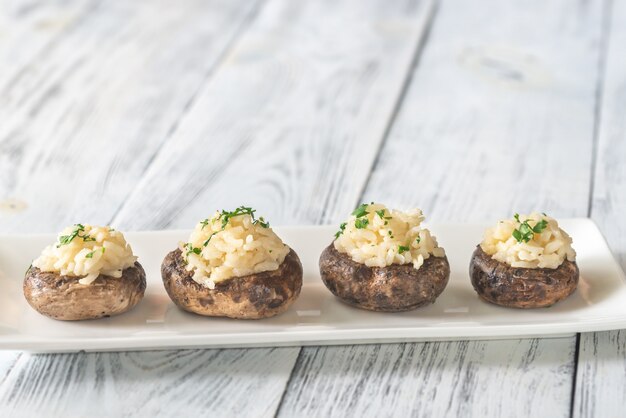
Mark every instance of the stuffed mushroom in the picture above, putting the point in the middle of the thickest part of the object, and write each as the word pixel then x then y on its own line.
pixel 233 265
pixel 384 260
pixel 525 262
pixel 89 273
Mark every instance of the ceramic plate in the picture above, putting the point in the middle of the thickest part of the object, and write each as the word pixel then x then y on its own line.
pixel 317 317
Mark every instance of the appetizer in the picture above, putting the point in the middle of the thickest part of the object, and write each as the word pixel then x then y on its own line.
pixel 525 262
pixel 383 260
pixel 233 265
pixel 89 273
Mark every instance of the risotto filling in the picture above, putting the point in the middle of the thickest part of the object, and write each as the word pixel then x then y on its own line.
pixel 232 244
pixel 87 251
pixel 529 241
pixel 378 237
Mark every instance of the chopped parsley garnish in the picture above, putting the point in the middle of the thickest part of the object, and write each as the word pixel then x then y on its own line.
pixel 209 239
pixel 263 223
pixel 381 213
pixel 90 255
pixel 361 210
pixel 225 217
pixel 78 228
pixel 403 249
pixel 191 249
pixel 525 232
pixel 342 227
pixel 361 223
pixel 540 226
pixel 418 240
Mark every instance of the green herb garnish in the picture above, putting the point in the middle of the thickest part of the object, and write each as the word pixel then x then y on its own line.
pixel 361 223
pixel 403 249
pixel 90 255
pixel 263 223
pixel 191 249
pixel 525 232
pixel 226 216
pixel 381 213
pixel 361 210
pixel 78 228
pixel 205 243
pixel 342 227
pixel 418 240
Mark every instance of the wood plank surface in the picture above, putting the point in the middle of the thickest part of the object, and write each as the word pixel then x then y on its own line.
pixel 600 388
pixel 482 129
pixel 88 92
pixel 306 88
pixel 480 135
pixel 90 106
pixel 217 383
pixel 456 379
pixel 292 122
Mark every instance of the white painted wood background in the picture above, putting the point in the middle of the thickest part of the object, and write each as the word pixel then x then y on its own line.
pixel 159 112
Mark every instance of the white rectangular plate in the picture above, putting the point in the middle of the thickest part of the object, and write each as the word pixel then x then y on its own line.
pixel 317 317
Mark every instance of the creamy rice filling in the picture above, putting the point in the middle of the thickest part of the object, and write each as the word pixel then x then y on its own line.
pixel 378 237
pixel 232 244
pixel 529 241
pixel 87 251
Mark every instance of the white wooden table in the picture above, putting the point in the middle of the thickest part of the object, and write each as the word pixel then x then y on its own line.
pixel 150 114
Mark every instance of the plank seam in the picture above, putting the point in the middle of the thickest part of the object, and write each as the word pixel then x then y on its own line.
pixel 422 40
pixel 288 382
pixel 597 115
pixel 574 375
pixel 10 369
pixel 239 31
pixel 599 95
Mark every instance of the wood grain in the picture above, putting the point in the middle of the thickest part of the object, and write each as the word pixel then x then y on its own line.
pixel 483 127
pixel 306 88
pixel 93 89
pixel 479 136
pixel 90 104
pixel 149 383
pixel 602 356
pixel 292 122
pixel 431 379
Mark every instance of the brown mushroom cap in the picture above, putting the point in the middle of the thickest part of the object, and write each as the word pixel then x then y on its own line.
pixel 514 287
pixel 255 296
pixel 64 298
pixel 389 289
